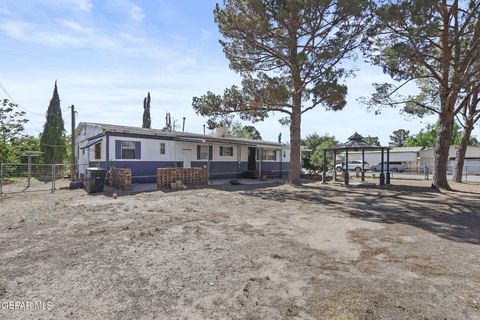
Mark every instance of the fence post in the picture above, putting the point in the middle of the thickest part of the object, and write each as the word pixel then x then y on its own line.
pixel 53 178
pixel 1 179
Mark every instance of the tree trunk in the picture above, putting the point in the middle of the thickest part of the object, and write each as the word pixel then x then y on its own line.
pixel 467 132
pixel 294 173
pixel 442 148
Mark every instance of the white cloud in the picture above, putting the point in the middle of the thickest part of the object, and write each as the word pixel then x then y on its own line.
pixel 54 37
pixel 83 5
pixel 136 12
pixel 76 26
pixel 130 8
pixel 68 33
pixel 76 5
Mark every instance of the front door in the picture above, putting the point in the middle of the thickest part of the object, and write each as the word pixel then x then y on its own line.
pixel 252 158
pixel 187 158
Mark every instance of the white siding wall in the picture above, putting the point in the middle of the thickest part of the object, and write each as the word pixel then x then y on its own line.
pixel 426 157
pixel 150 149
pixel 88 154
pixel 174 150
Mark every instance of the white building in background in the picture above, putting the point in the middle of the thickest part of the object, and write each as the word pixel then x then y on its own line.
pixel 472 158
pixel 416 158
pixel 409 156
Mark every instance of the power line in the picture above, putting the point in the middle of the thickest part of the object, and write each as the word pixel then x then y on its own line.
pixel 21 108
pixel 13 100
pixel 24 110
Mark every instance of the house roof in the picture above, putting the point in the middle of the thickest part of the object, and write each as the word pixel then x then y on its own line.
pixel 406 149
pixel 179 135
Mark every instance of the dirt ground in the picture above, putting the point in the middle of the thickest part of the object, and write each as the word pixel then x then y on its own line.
pixel 243 252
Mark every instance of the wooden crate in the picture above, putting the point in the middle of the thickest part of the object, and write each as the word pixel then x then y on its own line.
pixel 188 176
pixel 122 178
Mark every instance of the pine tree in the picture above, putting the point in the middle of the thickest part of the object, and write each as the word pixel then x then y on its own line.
pixel 428 42
pixel 289 55
pixel 147 121
pixel 52 141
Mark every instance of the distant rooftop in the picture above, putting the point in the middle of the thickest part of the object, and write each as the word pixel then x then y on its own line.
pixel 402 149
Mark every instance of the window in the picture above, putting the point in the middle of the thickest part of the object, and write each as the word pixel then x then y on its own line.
pixel 203 152
pixel 270 155
pixel 162 148
pixel 226 151
pixel 98 151
pixel 128 150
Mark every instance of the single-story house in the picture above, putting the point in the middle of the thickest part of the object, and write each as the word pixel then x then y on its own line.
pixel 472 159
pixel 409 156
pixel 145 150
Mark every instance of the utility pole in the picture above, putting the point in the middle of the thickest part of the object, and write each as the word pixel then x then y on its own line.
pixel 72 170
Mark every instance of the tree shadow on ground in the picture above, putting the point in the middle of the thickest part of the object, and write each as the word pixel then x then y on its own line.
pixel 453 216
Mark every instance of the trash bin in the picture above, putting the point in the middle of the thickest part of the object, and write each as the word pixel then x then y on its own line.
pixel 95 179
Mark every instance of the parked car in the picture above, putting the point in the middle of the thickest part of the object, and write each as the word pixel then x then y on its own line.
pixel 394 167
pixel 355 165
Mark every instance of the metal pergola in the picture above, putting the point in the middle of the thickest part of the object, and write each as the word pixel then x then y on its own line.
pixel 356 143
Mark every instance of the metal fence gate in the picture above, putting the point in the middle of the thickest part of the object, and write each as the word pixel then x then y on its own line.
pixel 28 177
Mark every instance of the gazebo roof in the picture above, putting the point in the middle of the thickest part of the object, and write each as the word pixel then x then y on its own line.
pixel 356 142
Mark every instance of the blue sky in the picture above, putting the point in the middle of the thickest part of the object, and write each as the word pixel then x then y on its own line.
pixel 106 56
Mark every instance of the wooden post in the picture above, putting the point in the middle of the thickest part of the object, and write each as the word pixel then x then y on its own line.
pixel 334 165
pixel 29 170
pixel 1 179
pixel 382 173
pixel 388 167
pixel 260 159
pixel 347 178
pixel 324 173
pixel 53 179
pixel 363 165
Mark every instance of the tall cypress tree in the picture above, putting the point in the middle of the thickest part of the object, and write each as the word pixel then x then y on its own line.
pixel 147 121
pixel 52 141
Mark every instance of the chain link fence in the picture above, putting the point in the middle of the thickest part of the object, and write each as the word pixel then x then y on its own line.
pixel 24 177
pixel 471 173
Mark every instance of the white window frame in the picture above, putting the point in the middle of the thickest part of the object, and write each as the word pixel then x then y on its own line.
pixel 204 152
pixel 99 146
pixel 163 148
pixel 222 152
pixel 124 147
pixel 267 156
